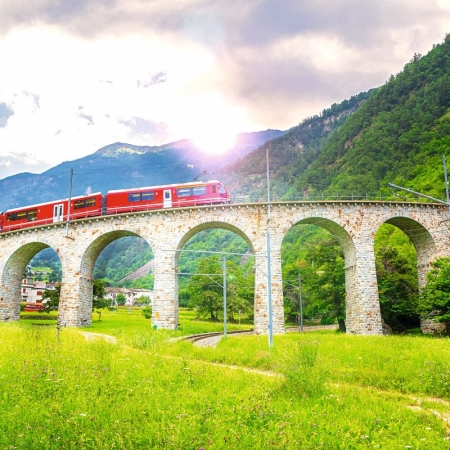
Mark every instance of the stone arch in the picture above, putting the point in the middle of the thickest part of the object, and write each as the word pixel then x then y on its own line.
pixel 214 224
pixel 422 240
pixel 165 304
pixel 208 225
pixel 12 276
pixel 76 291
pixel 425 233
pixel 352 294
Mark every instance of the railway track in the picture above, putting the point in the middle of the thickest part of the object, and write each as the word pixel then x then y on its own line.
pixel 211 339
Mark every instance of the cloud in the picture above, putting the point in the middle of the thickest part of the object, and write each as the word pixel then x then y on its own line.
pixel 21 162
pixel 83 74
pixel 155 78
pixel 146 128
pixel 5 113
pixel 83 115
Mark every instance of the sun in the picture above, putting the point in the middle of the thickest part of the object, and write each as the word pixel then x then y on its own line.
pixel 215 141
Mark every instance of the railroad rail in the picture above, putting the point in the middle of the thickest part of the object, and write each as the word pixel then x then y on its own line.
pixel 196 338
pixel 215 336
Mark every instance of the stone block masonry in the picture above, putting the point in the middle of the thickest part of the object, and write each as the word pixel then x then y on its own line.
pixel 167 231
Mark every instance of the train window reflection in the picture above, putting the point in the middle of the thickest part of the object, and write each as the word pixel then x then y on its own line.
pixel 184 192
pixel 200 190
pixel 147 196
pixel 134 197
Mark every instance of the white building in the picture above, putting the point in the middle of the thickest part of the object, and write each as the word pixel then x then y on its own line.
pixel 131 295
pixel 32 291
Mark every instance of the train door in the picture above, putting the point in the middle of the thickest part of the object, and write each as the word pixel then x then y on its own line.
pixel 167 198
pixel 58 212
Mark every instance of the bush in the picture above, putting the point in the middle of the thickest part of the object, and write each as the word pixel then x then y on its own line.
pixel 147 312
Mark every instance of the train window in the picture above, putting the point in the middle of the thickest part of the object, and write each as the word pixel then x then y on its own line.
pixel 90 202
pixel 199 190
pixel 134 197
pixel 32 214
pixel 147 196
pixel 78 204
pixel 221 189
pixel 21 215
pixel 11 217
pixel 184 192
pixel 214 188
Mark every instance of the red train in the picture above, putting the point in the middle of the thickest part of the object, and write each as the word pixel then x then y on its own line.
pixel 116 202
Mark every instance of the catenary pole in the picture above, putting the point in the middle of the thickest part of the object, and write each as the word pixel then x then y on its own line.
pixel 300 302
pixel 269 272
pixel 68 203
pixel 224 262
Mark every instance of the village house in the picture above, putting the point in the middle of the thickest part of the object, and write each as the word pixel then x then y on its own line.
pixel 131 295
pixel 32 291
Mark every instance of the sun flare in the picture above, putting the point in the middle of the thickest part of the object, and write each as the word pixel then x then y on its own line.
pixel 215 141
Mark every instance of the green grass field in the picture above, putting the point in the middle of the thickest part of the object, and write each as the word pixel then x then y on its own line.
pixel 321 390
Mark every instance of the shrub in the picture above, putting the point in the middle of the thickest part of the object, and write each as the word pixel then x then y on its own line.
pixel 147 312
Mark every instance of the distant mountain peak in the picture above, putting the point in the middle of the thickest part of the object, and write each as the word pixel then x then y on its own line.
pixel 117 149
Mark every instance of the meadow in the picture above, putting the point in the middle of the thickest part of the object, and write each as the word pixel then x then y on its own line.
pixel 150 390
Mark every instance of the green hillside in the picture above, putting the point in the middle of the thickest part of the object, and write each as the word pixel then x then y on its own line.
pixel 399 135
pixel 290 155
pixel 395 133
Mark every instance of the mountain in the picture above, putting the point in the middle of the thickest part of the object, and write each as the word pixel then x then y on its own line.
pixel 120 165
pixel 290 155
pixel 396 133
pixel 399 135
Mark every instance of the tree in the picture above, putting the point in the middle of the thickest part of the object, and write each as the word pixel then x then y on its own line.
pixel 98 302
pixel 98 289
pixel 435 297
pixel 397 288
pixel 240 289
pixel 205 289
pixel 142 300
pixel 50 299
pixel 323 281
pixel 120 299
pixel 327 283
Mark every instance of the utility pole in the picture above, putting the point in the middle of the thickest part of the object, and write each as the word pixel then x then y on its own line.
pixel 269 273
pixel 68 203
pixel 224 262
pixel 300 302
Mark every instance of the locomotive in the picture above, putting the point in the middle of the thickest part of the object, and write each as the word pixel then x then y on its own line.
pixel 118 201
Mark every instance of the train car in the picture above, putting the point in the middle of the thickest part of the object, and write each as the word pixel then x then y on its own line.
pixel 52 212
pixel 166 196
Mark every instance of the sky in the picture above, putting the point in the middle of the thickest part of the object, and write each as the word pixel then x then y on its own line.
pixel 77 75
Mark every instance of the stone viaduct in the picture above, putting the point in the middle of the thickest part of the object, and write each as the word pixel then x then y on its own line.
pixel 354 223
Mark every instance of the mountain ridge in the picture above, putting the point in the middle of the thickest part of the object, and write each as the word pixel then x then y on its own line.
pixel 120 166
